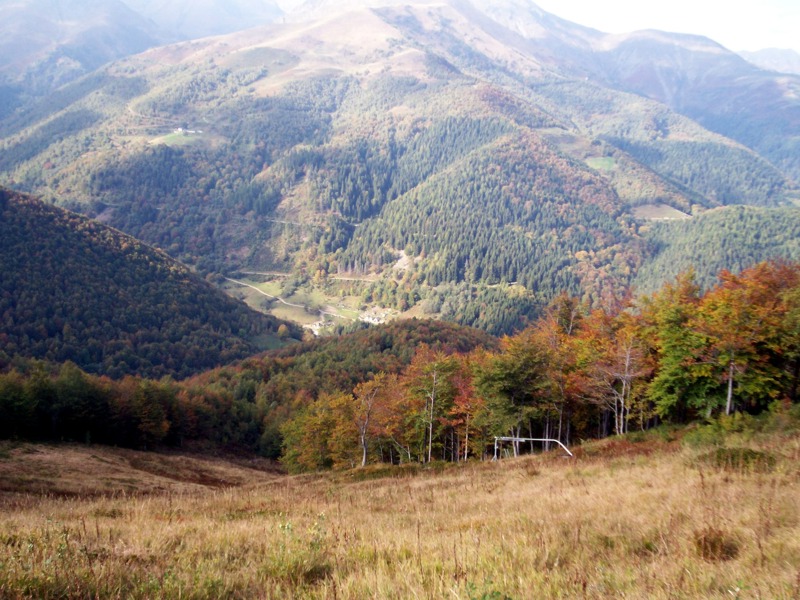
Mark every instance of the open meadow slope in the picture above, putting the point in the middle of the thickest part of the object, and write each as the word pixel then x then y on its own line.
pixel 635 517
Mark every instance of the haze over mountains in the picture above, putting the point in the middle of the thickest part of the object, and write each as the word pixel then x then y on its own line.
pixel 775 59
pixel 438 151
pixel 47 43
pixel 189 19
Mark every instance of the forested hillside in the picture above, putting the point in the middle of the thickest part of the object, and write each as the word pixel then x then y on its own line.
pixel 239 407
pixel 75 290
pixel 419 391
pixel 727 238
pixel 442 156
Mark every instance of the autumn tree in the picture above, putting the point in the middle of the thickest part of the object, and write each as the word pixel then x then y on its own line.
pixel 619 363
pixel 558 334
pixel 513 382
pixel 680 385
pixel 428 380
pixel 742 318
pixel 371 400
pixel 467 404
pixel 307 436
pixel 790 340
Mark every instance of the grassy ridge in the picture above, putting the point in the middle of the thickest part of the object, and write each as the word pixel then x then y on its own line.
pixel 634 517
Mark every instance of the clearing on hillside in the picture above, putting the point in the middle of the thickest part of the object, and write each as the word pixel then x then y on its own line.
pixel 634 517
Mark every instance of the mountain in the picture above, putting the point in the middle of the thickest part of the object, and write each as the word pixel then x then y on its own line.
pixel 47 43
pixel 190 19
pixel 774 59
pixel 73 289
pixel 445 157
pixel 717 88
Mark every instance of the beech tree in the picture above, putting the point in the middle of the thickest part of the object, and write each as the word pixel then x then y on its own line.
pixel 513 381
pixel 465 408
pixel 370 400
pixel 741 319
pixel 619 365
pixel 428 379
pixel 558 334
pixel 790 340
pixel 680 385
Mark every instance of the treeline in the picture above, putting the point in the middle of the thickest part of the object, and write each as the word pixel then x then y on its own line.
pixel 236 408
pixel 421 390
pixel 74 290
pixel 576 373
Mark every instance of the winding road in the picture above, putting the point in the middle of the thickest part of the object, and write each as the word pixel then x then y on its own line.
pixel 282 301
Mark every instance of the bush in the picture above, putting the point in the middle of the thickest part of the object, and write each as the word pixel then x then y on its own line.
pixel 705 435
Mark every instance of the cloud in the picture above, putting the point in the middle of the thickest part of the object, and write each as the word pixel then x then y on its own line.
pixel 736 24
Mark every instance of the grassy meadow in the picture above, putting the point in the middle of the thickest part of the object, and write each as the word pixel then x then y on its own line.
pixel 646 516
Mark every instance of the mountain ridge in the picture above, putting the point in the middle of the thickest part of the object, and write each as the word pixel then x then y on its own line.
pixel 328 147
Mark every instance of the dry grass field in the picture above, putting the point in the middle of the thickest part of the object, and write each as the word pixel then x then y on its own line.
pixel 644 517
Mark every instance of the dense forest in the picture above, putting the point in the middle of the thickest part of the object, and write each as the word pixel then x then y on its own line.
pixel 483 178
pixel 498 226
pixel 72 289
pixel 236 408
pixel 732 238
pixel 420 391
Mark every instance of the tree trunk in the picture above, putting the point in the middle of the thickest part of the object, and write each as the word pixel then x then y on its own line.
pixel 547 433
pixel 363 450
pixel 466 440
pixel 560 421
pixel 795 381
pixel 729 403
pixel 430 422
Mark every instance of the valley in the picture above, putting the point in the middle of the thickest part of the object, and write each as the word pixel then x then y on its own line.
pixel 276 275
pixel 285 148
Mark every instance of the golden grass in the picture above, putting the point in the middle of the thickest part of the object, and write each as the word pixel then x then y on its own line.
pixel 621 520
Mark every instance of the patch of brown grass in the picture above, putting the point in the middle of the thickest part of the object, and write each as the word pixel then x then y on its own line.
pixel 641 525
pixel 71 470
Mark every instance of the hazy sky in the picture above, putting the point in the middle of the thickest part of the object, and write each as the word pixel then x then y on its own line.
pixel 736 24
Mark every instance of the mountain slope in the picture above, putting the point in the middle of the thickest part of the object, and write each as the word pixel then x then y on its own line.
pixel 73 289
pixel 719 89
pixel 421 144
pixel 730 238
pixel 46 43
